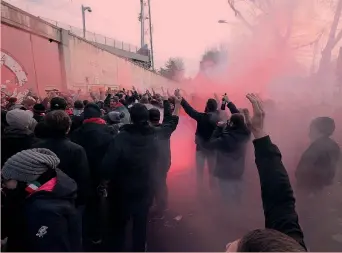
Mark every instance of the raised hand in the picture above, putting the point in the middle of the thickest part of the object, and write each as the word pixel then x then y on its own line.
pixel 256 122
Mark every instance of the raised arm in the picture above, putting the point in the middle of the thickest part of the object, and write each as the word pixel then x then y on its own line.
pixel 276 191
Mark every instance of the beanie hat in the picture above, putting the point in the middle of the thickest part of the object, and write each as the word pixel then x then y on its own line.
pixel 58 103
pixel 27 166
pixel 12 100
pixel 19 118
pixel 92 110
pixel 154 114
pixel 39 108
pixel 115 116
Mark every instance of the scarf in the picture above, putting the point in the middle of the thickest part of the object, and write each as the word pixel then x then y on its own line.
pixel 95 120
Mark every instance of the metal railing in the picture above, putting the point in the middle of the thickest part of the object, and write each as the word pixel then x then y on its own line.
pixel 94 37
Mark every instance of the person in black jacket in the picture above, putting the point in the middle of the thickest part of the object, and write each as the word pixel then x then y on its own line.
pixel 164 131
pixel 39 204
pixel 206 124
pixel 94 136
pixel 229 140
pixel 73 157
pixel 129 165
pixel 17 136
pixel 39 111
pixel 282 231
pixel 77 117
pixel 317 166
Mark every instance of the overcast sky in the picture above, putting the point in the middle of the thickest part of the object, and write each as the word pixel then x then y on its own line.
pixel 181 28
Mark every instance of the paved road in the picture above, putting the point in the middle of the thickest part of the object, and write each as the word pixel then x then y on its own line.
pixel 204 225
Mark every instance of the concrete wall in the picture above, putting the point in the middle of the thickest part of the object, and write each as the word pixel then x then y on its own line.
pixel 38 55
pixel 88 66
pixel 28 62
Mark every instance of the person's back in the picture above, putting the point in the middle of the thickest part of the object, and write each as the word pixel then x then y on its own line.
pixel 230 143
pixel 73 159
pixel 318 164
pixel 42 215
pixel 128 166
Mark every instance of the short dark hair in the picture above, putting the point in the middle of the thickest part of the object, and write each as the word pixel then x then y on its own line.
pixel 154 115
pixel 139 114
pixel 58 122
pixel 211 105
pixel 58 103
pixel 78 104
pixel 85 102
pixel 324 125
pixel 268 240
pixel 237 120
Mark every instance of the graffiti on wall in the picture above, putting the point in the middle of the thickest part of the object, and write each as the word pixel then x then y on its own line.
pixel 13 78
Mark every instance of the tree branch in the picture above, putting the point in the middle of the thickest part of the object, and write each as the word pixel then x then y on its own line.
pixel 239 15
pixel 311 42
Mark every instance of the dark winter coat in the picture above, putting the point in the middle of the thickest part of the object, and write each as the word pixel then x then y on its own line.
pixel 47 220
pixel 129 164
pixel 206 123
pixel 95 139
pixel 164 132
pixel 15 140
pixel 318 164
pixel 230 144
pixel 276 191
pixel 76 122
pixel 73 162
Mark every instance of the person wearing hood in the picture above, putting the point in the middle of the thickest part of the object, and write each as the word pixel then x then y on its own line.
pixel 206 124
pixel 39 213
pixel 164 131
pixel 128 168
pixel 229 140
pixel 39 111
pixel 117 106
pixel 114 119
pixel 94 136
pixel 17 135
pixel 73 158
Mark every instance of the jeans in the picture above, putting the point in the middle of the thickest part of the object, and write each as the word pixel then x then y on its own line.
pixel 203 156
pixel 119 216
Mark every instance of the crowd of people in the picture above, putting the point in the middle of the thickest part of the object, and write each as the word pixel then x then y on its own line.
pixel 74 173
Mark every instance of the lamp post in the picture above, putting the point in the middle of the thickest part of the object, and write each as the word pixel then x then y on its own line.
pixel 84 9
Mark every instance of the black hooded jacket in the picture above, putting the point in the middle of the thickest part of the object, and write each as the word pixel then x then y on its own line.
pixel 230 144
pixel 206 123
pixel 129 164
pixel 47 220
pixel 95 139
pixel 164 132
pixel 318 164
pixel 74 162
pixel 15 140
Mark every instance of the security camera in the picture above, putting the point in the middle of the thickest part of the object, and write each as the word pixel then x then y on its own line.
pixel 89 10
pixel 50 40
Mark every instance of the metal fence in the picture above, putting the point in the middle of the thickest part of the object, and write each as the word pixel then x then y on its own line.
pixel 94 37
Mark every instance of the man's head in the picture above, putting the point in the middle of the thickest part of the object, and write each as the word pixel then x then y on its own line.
pixel 321 127
pixel 211 105
pixel 19 119
pixel 78 105
pixel 92 110
pixel 39 108
pixel 58 103
pixel 57 122
pixel 139 114
pixel 265 240
pixel 154 116
pixel 85 102
pixel 237 120
pixel 114 101
pixel 114 117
